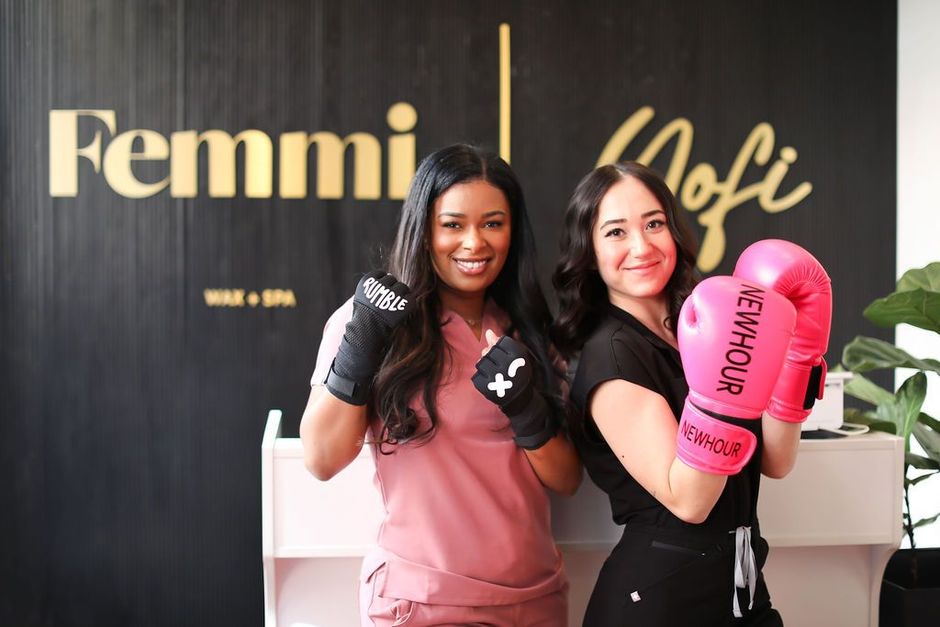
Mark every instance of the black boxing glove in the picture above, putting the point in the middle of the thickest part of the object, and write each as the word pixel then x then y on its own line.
pixel 380 304
pixel 505 376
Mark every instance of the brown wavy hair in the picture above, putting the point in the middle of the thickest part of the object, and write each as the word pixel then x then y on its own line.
pixel 582 295
pixel 416 359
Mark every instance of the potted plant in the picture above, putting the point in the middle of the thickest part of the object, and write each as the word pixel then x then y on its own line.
pixel 911 586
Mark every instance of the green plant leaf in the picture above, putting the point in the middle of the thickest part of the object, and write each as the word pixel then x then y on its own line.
pixel 869 419
pixel 867 353
pixel 920 462
pixel 916 301
pixel 926 278
pixel 928 437
pixel 883 426
pixel 924 477
pixel 860 416
pixel 866 390
pixel 933 423
pixel 923 522
pixel 911 397
pixel 917 308
pixel 905 409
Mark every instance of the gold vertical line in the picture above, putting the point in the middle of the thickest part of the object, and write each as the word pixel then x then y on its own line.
pixel 504 92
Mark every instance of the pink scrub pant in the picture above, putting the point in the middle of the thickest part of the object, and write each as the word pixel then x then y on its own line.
pixel 550 610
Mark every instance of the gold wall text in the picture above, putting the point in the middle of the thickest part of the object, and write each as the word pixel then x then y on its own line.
pixel 241 298
pixel 701 184
pixel 115 159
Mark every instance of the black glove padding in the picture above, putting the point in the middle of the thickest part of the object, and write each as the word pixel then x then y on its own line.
pixel 380 304
pixel 505 376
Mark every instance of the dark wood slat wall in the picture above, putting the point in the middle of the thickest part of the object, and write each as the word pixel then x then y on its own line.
pixel 131 413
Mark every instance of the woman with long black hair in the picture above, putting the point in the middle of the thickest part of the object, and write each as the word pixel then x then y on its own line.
pixel 464 447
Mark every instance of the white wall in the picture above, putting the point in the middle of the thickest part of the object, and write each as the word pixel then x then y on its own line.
pixel 918 237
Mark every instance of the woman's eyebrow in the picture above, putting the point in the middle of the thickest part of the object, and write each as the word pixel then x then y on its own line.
pixel 613 221
pixel 457 214
pixel 622 220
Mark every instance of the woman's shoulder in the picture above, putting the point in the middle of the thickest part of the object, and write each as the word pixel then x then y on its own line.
pixel 612 336
pixel 615 350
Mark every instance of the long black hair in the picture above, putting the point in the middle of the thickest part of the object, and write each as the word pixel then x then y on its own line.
pixel 416 359
pixel 582 294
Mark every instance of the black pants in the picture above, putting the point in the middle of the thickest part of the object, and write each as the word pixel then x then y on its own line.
pixel 654 579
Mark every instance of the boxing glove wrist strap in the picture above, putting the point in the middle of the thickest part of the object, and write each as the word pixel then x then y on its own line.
pixel 532 424
pixel 712 445
pixel 796 391
pixel 538 440
pixel 346 389
pixel 739 408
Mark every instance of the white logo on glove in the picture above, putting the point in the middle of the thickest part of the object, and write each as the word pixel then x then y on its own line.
pixel 500 384
pixel 382 297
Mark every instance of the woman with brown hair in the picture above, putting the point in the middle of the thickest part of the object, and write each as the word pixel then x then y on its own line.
pixel 672 383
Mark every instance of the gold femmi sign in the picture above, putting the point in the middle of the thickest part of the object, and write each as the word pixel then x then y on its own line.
pixel 700 189
pixel 181 149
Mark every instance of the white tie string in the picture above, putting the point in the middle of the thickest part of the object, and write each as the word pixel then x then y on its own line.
pixel 745 567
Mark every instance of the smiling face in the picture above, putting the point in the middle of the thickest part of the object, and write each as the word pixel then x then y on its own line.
pixel 470 234
pixel 633 247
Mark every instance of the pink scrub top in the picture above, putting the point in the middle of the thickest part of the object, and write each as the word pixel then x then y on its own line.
pixel 466 518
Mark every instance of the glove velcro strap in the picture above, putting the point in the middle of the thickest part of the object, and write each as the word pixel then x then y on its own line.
pixel 532 442
pixel 712 445
pixel 816 386
pixel 535 415
pixel 347 390
pixel 796 391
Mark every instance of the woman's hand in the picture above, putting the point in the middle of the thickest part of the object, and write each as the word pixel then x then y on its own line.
pixel 505 376
pixel 380 304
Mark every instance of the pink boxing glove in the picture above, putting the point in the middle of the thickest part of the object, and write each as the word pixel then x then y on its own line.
pixel 733 336
pixel 791 271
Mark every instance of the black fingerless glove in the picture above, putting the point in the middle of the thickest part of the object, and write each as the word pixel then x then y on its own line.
pixel 505 376
pixel 380 304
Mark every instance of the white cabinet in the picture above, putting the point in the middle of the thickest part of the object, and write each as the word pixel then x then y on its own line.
pixel 314 534
pixel 832 524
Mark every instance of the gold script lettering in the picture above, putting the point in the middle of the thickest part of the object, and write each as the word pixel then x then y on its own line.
pixel 702 183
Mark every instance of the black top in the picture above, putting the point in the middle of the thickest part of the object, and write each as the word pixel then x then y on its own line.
pixel 622 348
